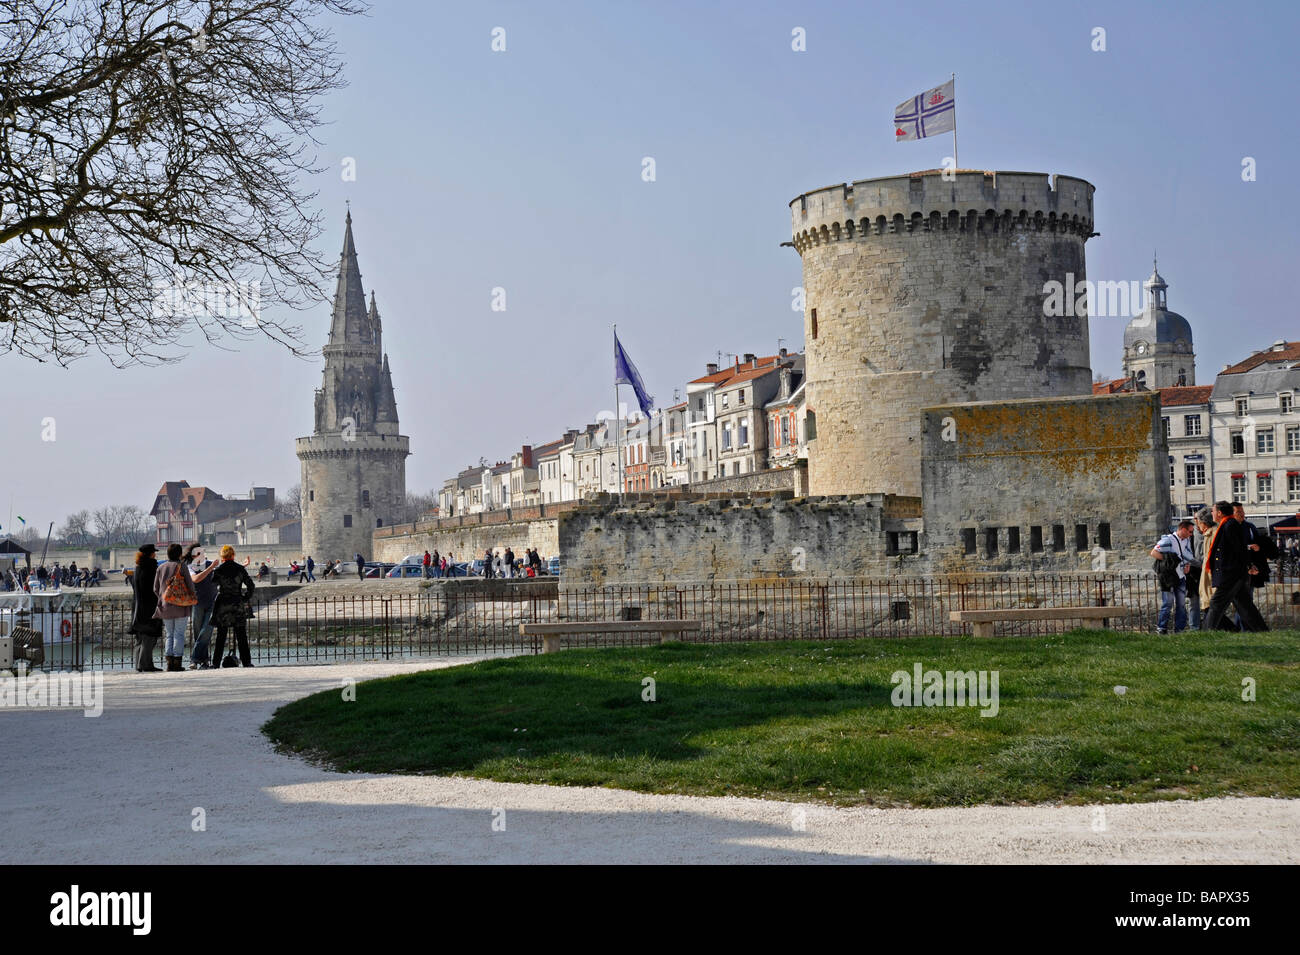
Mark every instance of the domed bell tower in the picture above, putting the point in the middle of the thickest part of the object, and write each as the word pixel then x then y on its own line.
pixel 1158 343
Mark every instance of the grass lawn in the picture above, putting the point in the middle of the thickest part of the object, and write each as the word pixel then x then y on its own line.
pixel 815 721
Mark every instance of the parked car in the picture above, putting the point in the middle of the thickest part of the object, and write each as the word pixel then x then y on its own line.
pixel 407 570
pixel 553 566
pixel 378 570
pixel 458 569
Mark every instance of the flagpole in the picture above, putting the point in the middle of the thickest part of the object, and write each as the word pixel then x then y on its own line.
pixel 955 163
pixel 618 423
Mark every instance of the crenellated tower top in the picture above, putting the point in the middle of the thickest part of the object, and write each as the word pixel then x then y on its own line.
pixel 966 201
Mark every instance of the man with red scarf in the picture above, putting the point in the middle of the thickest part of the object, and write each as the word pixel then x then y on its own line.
pixel 1229 562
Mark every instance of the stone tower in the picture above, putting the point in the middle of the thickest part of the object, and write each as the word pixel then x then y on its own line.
pixel 354 463
pixel 1158 343
pixel 921 291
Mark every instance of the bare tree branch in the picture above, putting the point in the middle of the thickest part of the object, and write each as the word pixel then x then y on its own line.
pixel 153 157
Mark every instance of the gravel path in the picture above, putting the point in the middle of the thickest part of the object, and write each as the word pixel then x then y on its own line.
pixel 123 788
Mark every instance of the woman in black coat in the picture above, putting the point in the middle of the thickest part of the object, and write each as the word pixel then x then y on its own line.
pixel 234 590
pixel 147 630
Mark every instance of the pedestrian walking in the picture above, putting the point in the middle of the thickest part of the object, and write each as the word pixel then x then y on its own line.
pixel 428 559
pixel 487 564
pixel 144 626
pixel 232 609
pixel 1228 559
pixel 510 562
pixel 310 568
pixel 1261 549
pixel 361 567
pixel 1199 587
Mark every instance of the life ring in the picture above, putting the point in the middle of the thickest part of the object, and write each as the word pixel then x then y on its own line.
pixel 65 629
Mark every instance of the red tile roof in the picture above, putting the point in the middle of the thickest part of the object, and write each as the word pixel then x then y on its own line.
pixel 1114 386
pixel 723 374
pixel 748 374
pixel 1188 395
pixel 1290 352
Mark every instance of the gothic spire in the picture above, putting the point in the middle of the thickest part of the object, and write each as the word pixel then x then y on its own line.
pixel 376 326
pixel 387 407
pixel 349 323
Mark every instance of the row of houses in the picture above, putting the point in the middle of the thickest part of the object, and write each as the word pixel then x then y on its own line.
pixel 737 419
pixel 1238 439
pixel 187 515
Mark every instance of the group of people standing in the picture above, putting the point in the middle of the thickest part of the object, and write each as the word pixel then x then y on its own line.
pixel 304 570
pixel 506 566
pixel 53 578
pixel 171 596
pixel 436 565
pixel 1230 564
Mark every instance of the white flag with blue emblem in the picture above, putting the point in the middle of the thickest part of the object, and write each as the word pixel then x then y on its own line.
pixel 928 114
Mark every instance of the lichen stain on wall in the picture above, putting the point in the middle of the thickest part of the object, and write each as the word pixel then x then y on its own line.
pixel 1093 438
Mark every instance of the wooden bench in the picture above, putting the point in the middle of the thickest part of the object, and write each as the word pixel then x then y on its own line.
pixel 553 634
pixel 982 621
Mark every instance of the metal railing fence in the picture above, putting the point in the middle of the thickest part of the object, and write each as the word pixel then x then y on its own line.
pixel 458 619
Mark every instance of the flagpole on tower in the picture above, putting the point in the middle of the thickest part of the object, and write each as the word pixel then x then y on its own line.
pixel 955 163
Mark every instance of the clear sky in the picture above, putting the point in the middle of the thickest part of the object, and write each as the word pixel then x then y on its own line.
pixel 522 170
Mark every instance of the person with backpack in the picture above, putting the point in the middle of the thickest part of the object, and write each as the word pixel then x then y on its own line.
pixel 1174 555
pixel 174 589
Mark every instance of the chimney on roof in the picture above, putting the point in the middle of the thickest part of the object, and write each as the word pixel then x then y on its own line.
pixel 749 357
pixel 783 353
pixel 1279 345
pixel 711 368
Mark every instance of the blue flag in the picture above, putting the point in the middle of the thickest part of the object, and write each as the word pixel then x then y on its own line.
pixel 625 373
